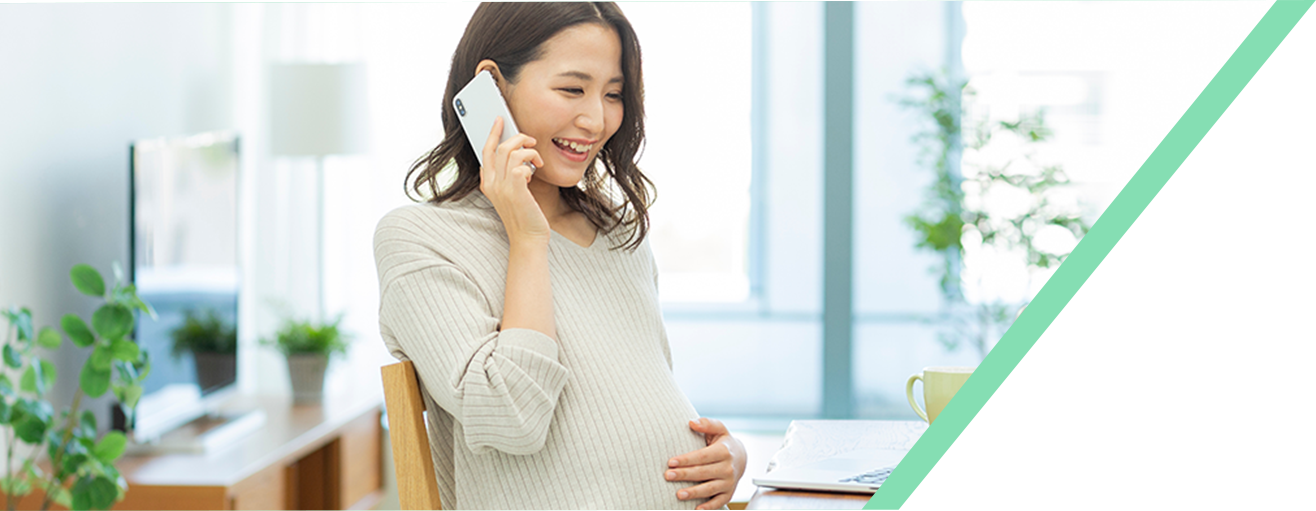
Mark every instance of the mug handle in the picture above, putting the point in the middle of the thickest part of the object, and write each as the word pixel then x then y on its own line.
pixel 909 393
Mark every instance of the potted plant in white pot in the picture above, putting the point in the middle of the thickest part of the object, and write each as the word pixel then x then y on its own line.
pixel 308 347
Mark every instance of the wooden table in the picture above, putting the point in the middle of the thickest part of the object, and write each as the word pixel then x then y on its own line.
pixel 304 457
pixel 1094 465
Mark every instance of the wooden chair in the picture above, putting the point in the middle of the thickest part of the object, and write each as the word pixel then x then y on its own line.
pixel 418 488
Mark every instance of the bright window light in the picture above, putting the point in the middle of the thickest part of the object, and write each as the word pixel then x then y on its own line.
pixel 697 104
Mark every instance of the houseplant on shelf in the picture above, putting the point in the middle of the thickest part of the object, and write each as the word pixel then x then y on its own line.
pixel 308 347
pixel 1003 205
pixel 69 439
pixel 213 344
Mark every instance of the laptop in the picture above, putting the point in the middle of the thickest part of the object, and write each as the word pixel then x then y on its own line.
pixel 1011 436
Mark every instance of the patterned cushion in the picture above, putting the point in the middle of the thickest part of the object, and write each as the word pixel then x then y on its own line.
pixel 1200 336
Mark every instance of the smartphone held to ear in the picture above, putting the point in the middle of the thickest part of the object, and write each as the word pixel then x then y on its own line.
pixel 477 104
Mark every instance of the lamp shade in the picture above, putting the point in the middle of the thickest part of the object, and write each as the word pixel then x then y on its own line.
pixel 318 109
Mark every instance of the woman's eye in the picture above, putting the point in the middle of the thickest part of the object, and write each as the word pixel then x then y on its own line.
pixel 571 90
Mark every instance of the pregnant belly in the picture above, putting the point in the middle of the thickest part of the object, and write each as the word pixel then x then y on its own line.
pixel 636 430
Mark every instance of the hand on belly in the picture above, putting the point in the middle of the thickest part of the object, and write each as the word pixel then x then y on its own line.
pixel 718 466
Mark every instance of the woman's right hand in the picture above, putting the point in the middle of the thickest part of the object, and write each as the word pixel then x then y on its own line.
pixel 505 179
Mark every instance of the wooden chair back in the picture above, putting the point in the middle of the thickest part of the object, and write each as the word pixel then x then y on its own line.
pixel 418 488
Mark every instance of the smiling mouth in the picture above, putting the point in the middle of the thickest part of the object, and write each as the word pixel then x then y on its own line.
pixel 572 147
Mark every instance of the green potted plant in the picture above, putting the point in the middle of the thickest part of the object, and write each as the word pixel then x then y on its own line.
pixel 213 344
pixel 76 453
pixel 956 134
pixel 308 347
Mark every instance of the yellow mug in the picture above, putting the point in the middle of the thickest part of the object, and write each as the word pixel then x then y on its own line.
pixel 939 385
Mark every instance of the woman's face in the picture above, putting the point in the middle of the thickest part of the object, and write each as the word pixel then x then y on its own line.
pixel 570 100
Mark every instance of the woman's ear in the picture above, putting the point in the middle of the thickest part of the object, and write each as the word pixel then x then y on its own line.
pixel 492 68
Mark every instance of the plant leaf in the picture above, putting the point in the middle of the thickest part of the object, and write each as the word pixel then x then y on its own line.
pixel 125 350
pixel 28 382
pixel 112 474
pixel 21 319
pixel 131 395
pixel 77 330
pixel 112 321
pixel 40 409
pixel 94 382
pixel 16 486
pixel 12 357
pixel 6 385
pixel 49 338
pixel 48 373
pixel 144 307
pixel 110 447
pixel 104 492
pixel 143 366
pixel 63 497
pixel 71 462
pixel 101 358
pixel 91 492
pixel 16 413
pixel 88 421
pixel 38 378
pixel 126 371
pixel 127 295
pixel 30 428
pixel 87 280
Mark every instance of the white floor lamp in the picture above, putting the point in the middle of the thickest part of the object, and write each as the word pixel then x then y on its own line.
pixel 318 110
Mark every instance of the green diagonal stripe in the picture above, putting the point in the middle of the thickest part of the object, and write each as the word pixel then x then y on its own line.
pixel 1131 201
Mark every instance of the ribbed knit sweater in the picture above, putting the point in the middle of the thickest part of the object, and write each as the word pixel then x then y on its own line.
pixel 515 419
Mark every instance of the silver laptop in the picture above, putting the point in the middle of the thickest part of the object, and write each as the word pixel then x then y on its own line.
pixel 1011 436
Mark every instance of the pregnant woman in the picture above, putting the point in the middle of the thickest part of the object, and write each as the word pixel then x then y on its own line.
pixel 525 291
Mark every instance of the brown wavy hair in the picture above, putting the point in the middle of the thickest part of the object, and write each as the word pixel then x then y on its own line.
pixel 512 35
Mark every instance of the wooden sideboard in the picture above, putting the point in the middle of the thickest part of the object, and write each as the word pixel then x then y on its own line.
pixel 303 457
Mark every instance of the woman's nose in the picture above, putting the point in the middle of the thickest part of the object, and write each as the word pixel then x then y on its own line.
pixel 590 118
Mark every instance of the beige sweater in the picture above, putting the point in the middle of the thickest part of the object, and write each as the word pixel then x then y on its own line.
pixel 516 419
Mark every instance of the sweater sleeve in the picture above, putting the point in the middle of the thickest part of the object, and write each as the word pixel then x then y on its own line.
pixel 502 386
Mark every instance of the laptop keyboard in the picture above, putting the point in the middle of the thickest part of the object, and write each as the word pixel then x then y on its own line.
pixel 937 476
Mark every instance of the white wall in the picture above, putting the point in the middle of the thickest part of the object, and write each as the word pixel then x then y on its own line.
pixel 80 82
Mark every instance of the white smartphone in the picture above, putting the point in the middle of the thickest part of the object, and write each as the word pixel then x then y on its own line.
pixel 477 104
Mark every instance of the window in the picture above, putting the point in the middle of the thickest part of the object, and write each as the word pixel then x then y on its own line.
pixel 697 152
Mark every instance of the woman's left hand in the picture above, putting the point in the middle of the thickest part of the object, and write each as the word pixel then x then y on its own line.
pixel 718 466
